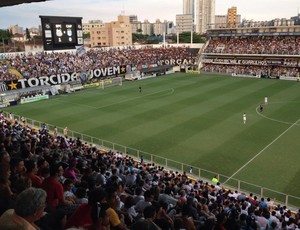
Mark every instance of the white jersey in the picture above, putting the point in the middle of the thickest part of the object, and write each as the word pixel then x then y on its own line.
pixel 244 118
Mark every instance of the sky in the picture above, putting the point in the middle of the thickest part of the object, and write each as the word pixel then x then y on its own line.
pixel 27 15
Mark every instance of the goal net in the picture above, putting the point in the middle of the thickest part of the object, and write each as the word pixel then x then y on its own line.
pixel 110 82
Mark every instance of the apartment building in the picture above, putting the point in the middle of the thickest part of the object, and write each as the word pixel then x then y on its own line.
pixel 86 27
pixel 205 15
pixel 184 23
pixel 116 33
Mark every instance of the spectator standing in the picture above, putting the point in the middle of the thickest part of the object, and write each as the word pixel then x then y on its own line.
pixel 11 116
pixel 215 180
pixel 55 132
pixel 66 131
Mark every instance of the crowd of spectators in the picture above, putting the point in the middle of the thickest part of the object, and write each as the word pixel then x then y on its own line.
pixel 259 45
pixel 56 182
pixel 287 45
pixel 252 70
pixel 45 63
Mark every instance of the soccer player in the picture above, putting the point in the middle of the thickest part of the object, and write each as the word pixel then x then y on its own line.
pixel 244 118
pixel 266 100
pixel 261 108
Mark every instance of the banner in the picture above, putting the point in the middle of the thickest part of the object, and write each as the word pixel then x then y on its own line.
pixel 65 78
pixel 176 62
pixel 80 50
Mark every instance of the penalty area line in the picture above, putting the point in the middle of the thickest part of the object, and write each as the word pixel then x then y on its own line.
pixel 272 142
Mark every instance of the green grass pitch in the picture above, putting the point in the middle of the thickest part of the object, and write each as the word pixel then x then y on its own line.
pixel 194 119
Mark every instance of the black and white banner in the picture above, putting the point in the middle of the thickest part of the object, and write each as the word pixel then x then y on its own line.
pixel 65 78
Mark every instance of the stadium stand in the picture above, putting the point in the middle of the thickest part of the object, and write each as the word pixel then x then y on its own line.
pixel 43 64
pixel 23 76
pixel 267 52
pixel 95 189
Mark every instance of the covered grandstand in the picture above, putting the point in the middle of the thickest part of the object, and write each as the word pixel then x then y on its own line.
pixel 269 52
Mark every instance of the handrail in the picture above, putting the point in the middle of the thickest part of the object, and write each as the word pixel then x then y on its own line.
pixel 290 201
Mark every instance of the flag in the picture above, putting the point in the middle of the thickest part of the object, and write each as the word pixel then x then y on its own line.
pixel 16 73
pixel 80 50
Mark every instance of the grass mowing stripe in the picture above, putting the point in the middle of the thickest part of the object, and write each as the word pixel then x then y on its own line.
pixel 73 103
pixel 199 123
pixel 134 98
pixel 261 151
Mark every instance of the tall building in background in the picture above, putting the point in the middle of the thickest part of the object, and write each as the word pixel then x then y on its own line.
pixel 220 21
pixel 205 15
pixel 86 27
pixel 133 18
pixel 231 20
pixel 136 27
pixel 16 29
pixel 147 28
pixel 296 19
pixel 116 33
pixel 232 17
pixel 184 23
pixel 189 8
pixel 160 28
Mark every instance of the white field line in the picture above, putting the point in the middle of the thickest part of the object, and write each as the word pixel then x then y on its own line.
pixel 119 102
pixel 271 119
pixel 261 151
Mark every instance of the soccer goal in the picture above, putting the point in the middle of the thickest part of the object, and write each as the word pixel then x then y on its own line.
pixel 110 82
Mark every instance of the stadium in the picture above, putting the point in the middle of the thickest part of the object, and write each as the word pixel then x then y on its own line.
pixel 180 135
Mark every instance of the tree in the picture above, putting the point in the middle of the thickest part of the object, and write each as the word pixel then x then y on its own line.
pixel 140 38
pixel 185 37
pixel 5 36
pixel 27 33
pixel 86 35
pixel 38 37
